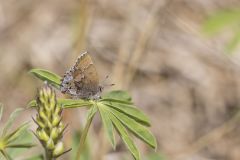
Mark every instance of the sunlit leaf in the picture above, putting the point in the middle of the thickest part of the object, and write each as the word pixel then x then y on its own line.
pixel 117 94
pixel 38 157
pixel 131 111
pixel 115 100
pixel 16 133
pixel 10 120
pixel 29 145
pixel 32 103
pixel 140 131
pixel 91 112
pixel 74 103
pixel 125 137
pixel 5 155
pixel 108 126
pixel 66 103
pixel 48 76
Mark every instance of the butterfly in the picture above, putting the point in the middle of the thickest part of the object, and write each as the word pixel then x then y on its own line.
pixel 81 81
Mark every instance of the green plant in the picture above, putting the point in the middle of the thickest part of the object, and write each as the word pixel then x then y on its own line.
pixel 10 141
pixel 117 112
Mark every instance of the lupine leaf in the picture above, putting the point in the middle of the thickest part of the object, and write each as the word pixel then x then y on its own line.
pixel 117 94
pixel 66 103
pixel 32 103
pixel 38 157
pixel 108 126
pixel 5 155
pixel 10 120
pixel 16 134
pixel 26 145
pixel 74 103
pixel 125 137
pixel 48 76
pixel 115 100
pixel 131 111
pixel 140 131
pixel 91 112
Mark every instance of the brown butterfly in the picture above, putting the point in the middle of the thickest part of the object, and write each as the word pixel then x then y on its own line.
pixel 81 81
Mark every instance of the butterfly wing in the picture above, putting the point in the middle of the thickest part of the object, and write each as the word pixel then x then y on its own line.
pixel 85 75
pixel 81 80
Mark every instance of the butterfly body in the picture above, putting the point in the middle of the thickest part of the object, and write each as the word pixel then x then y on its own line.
pixel 81 81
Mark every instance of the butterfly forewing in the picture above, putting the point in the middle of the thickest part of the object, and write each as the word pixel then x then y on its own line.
pixel 81 80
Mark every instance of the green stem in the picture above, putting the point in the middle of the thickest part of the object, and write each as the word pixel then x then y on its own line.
pixel 49 155
pixel 83 138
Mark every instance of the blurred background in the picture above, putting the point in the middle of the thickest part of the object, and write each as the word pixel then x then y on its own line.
pixel 179 59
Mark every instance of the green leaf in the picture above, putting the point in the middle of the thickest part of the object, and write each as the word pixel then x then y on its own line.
pixel 117 94
pixel 5 155
pixel 16 134
pixel 108 126
pixel 32 103
pixel 114 100
pixel 131 111
pixel 1 111
pixel 233 43
pixel 91 112
pixel 74 103
pixel 140 131
pixel 10 120
pixel 66 103
pixel 90 116
pixel 48 76
pixel 27 145
pixel 220 20
pixel 38 157
pixel 125 137
pixel 25 138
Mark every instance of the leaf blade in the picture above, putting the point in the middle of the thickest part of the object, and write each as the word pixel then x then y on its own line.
pixel 125 137
pixel 131 111
pixel 12 117
pixel 48 76
pixel 108 126
pixel 118 94
pixel 137 129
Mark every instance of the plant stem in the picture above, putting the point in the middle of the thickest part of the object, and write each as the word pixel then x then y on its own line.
pixel 83 138
pixel 49 155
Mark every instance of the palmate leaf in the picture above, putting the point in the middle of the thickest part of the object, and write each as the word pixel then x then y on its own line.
pixel 137 129
pixel 118 95
pixel 108 126
pixel 11 120
pixel 66 103
pixel 16 134
pixel 131 111
pixel 125 136
pixel 48 76
pixel 38 157
pixel 116 110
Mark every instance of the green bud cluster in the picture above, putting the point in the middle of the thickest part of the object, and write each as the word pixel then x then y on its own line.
pixel 50 127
